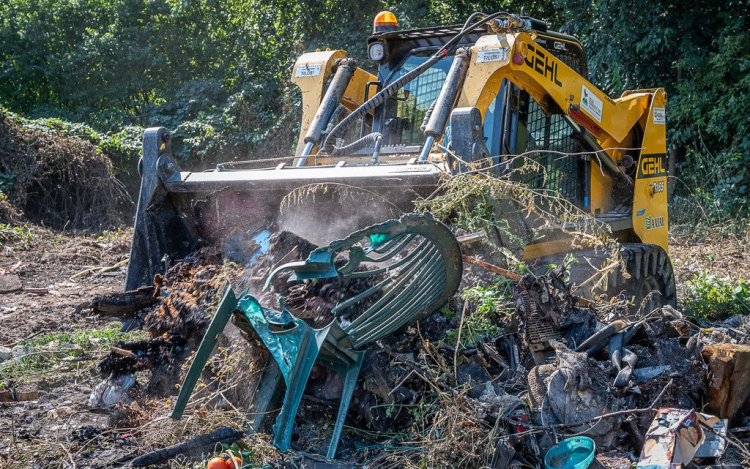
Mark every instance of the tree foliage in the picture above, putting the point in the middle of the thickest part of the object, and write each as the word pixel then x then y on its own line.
pixel 217 72
pixel 697 51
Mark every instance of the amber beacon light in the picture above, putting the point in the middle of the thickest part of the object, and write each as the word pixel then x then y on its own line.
pixel 385 22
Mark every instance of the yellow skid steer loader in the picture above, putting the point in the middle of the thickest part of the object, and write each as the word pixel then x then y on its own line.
pixel 498 85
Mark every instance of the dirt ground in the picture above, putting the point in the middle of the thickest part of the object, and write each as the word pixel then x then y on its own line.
pixel 727 257
pixel 59 429
pixel 49 261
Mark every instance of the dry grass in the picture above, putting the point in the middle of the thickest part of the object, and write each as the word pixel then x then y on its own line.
pixel 61 182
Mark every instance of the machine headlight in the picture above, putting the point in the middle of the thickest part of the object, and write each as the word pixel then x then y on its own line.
pixel 377 52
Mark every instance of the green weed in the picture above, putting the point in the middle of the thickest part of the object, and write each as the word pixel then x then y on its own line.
pixel 17 235
pixel 710 297
pixel 49 349
pixel 490 306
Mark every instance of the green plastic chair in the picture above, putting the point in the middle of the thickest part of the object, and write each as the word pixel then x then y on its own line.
pixel 419 263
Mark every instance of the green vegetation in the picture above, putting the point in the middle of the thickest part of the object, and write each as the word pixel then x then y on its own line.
pixel 217 73
pixel 15 235
pixel 123 146
pixel 48 350
pixel 710 297
pixel 489 305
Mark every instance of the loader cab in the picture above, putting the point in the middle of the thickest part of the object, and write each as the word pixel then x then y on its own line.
pixel 397 53
pixel 513 123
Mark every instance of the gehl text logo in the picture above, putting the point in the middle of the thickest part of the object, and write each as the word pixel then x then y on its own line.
pixel 651 166
pixel 543 64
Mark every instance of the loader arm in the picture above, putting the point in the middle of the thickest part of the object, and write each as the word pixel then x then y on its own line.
pixel 311 73
pixel 551 83
pixel 630 125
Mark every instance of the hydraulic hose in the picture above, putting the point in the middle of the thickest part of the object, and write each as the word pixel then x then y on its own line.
pixel 329 145
pixel 427 116
pixel 363 142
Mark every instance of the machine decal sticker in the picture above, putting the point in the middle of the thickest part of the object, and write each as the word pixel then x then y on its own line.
pixel 640 212
pixel 591 104
pixel 653 223
pixel 307 70
pixel 497 54
pixel 660 117
pixel 651 166
pixel 657 187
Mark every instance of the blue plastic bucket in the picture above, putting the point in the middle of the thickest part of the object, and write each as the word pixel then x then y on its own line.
pixel 574 453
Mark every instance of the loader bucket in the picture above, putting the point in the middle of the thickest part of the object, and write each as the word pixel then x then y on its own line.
pixel 180 211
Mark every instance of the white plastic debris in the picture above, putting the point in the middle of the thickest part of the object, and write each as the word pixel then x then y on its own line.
pixel 111 390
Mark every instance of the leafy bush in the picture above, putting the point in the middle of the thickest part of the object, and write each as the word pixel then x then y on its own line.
pixel 122 146
pixel 490 305
pixel 58 180
pixel 714 298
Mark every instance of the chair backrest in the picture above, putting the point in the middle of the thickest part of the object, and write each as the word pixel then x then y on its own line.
pixel 415 262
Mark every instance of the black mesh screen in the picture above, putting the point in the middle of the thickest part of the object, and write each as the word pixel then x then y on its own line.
pixel 567 52
pixel 421 93
pixel 573 61
pixel 561 172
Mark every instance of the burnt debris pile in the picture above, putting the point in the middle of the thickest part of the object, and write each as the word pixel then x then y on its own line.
pixel 173 312
pixel 536 376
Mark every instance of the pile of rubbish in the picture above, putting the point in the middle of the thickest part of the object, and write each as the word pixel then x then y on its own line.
pixel 173 312
pixel 557 382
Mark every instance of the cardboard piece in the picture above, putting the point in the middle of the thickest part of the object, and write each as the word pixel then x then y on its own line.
pixel 673 438
pixel 728 379
pixel 716 442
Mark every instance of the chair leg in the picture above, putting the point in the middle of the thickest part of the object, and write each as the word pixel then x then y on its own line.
pixel 295 387
pixel 218 323
pixel 350 382
pixel 295 350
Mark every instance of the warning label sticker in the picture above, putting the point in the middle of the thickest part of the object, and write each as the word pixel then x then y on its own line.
pixel 590 103
pixel 307 70
pixel 497 54
pixel 660 117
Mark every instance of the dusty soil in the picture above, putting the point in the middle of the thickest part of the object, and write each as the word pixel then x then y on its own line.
pixel 726 257
pixel 49 261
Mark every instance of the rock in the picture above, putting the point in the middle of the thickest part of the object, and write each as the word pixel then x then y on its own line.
pixel 728 378
pixel 10 283
pixel 68 349
pixel 5 353
pixel 20 351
